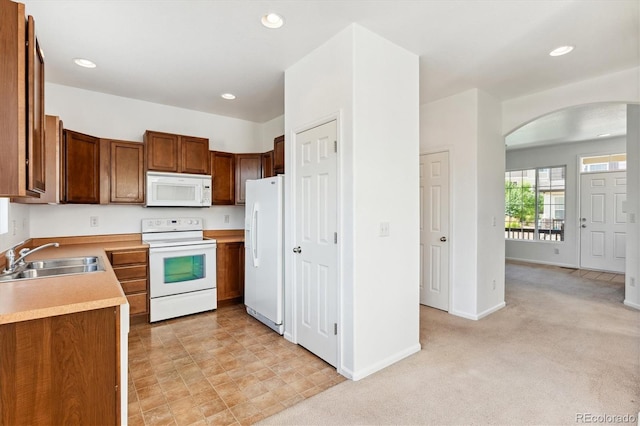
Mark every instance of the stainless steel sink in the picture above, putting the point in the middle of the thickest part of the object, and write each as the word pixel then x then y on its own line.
pixel 63 262
pixel 55 267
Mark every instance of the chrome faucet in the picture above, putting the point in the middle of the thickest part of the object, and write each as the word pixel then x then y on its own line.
pixel 13 263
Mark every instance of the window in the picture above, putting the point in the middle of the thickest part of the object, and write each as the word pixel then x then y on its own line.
pixel 534 204
pixel 603 163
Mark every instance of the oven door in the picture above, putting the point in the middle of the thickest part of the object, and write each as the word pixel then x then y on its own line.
pixel 182 269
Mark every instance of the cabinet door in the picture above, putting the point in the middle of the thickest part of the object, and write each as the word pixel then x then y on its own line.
pixel 223 173
pixel 126 172
pixel 278 155
pixel 248 166
pixel 82 168
pixel 162 151
pixel 35 122
pixel 53 147
pixel 60 370
pixel 230 273
pixel 194 155
pixel 267 164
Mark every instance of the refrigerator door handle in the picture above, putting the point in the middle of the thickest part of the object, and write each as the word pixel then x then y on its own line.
pixel 254 235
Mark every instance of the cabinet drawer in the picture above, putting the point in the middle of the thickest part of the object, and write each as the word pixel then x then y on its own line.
pixel 137 303
pixel 131 272
pixel 134 286
pixel 128 257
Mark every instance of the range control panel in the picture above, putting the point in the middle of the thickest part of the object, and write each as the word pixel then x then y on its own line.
pixel 172 224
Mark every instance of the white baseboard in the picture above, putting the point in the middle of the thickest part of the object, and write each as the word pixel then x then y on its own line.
pixel 361 374
pixel 631 304
pixel 288 336
pixel 481 315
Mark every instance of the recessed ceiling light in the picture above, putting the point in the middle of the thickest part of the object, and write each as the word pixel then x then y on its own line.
pixel 272 20
pixel 84 63
pixel 562 50
pixel 604 135
pixel 228 96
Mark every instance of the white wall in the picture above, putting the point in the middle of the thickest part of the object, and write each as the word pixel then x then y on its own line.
pixel 270 130
pixel 372 85
pixel 468 126
pixel 18 226
pixel 562 154
pixel 622 86
pixel 632 291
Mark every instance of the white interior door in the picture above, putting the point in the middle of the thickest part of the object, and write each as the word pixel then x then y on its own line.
pixel 603 221
pixel 316 254
pixel 434 230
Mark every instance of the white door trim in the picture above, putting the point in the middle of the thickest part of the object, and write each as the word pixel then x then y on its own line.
pixel 290 227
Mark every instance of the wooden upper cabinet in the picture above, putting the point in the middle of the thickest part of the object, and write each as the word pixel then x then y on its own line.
pixel 278 155
pixel 267 164
pixel 167 152
pixel 223 174
pixel 53 148
pixel 22 158
pixel 248 166
pixel 195 155
pixel 81 174
pixel 126 172
pixel 163 151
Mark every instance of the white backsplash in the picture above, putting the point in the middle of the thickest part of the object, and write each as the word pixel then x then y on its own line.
pixel 75 219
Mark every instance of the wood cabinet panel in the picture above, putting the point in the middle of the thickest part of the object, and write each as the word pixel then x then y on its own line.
pixel 130 272
pixel 248 166
pixel 230 273
pixel 223 174
pixel 53 147
pixel 131 269
pixel 119 258
pixel 60 370
pixel 195 155
pixel 278 155
pixel 82 168
pixel 267 164
pixel 138 303
pixel 162 151
pixel 126 175
pixel 167 152
pixel 21 105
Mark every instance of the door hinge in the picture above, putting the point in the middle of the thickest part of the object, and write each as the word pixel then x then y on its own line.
pixel 335 238
pixel 335 328
pixel 335 146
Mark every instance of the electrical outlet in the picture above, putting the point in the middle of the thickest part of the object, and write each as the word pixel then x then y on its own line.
pixel 556 251
pixel 494 284
pixel 14 226
pixel 632 282
pixel 93 221
pixel 494 221
pixel 384 229
pixel 226 218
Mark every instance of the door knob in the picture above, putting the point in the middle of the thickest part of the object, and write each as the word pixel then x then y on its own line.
pixel 297 249
pixel 443 239
pixel 583 225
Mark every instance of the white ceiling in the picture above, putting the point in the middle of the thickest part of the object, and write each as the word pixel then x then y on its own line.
pixel 186 53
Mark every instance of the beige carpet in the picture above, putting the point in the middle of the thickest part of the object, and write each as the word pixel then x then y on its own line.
pixel 562 346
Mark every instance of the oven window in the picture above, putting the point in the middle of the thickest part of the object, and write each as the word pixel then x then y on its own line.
pixel 184 268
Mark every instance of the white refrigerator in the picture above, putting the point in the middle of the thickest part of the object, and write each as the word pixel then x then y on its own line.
pixel 263 277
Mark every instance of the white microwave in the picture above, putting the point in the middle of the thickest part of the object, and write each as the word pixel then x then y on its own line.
pixel 178 190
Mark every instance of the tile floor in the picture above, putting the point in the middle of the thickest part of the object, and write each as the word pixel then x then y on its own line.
pixel 217 368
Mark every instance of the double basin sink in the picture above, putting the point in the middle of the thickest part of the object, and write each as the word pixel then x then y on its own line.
pixel 55 267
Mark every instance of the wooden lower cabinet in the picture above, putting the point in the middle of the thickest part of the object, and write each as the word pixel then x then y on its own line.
pixel 61 370
pixel 230 273
pixel 132 270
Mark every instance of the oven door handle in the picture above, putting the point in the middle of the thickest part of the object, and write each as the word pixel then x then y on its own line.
pixel 254 235
pixel 177 249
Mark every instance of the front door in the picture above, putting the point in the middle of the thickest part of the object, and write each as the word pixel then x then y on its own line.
pixel 603 221
pixel 434 230
pixel 316 277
